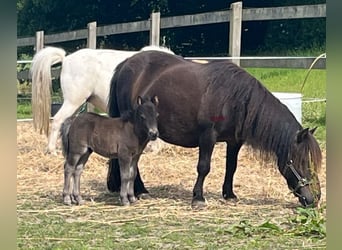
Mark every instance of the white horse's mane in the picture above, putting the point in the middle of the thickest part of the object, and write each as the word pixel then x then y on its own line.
pixel 158 48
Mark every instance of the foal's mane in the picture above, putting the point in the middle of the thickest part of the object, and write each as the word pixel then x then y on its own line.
pixel 262 121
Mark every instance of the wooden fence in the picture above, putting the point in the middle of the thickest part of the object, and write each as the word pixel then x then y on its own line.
pixel 234 16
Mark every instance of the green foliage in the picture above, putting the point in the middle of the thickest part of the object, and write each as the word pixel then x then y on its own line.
pixel 245 228
pixel 267 37
pixel 309 222
pixel 24 110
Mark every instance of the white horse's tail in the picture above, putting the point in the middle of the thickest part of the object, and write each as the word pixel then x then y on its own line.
pixel 42 84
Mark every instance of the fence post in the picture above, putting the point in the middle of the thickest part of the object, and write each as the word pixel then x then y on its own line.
pixel 91 43
pixel 235 25
pixel 39 40
pixel 155 29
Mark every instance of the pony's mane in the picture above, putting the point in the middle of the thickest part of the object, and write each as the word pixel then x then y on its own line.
pixel 127 116
pixel 263 122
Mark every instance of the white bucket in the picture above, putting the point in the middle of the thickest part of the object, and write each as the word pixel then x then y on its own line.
pixel 293 101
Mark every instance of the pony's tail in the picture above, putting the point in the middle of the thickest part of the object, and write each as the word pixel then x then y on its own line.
pixel 113 109
pixel 42 84
pixel 64 131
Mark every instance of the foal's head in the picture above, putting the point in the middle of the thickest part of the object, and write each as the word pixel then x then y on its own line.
pixel 301 168
pixel 145 117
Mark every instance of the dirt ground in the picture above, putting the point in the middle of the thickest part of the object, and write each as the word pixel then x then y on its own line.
pixel 169 174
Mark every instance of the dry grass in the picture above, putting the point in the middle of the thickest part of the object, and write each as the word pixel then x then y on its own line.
pixel 173 168
pixel 169 176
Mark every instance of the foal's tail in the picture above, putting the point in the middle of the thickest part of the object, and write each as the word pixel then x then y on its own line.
pixel 42 84
pixel 65 134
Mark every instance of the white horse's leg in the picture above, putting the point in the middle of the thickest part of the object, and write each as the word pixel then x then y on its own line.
pixel 67 110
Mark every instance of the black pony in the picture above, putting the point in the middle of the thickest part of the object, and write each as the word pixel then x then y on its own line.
pixel 201 104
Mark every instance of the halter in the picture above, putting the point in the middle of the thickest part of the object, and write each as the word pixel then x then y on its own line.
pixel 302 182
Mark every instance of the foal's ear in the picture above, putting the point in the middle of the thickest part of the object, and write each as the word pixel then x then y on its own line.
pixel 139 100
pixel 301 135
pixel 312 131
pixel 155 100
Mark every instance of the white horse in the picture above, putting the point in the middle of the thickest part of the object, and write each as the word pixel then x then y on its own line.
pixel 85 77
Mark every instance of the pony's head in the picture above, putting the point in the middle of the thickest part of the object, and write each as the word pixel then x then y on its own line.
pixel 301 168
pixel 145 117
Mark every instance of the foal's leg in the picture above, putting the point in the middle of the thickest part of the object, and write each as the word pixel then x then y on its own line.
pixel 77 198
pixel 133 170
pixel 126 174
pixel 68 172
pixel 206 145
pixel 77 178
pixel 231 163
pixel 114 180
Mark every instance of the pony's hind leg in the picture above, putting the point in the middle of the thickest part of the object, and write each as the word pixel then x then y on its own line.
pixel 68 173
pixel 67 110
pixel 206 146
pixel 76 194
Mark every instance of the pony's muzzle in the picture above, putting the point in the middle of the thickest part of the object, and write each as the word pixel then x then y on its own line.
pixel 153 134
pixel 308 198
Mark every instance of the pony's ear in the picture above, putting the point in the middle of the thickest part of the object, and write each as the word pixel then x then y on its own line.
pixel 155 100
pixel 301 135
pixel 312 131
pixel 139 100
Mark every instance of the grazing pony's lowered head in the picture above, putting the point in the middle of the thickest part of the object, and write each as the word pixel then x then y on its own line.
pixel 144 117
pixel 301 166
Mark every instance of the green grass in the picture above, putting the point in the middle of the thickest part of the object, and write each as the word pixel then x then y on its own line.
pixel 24 110
pixel 154 227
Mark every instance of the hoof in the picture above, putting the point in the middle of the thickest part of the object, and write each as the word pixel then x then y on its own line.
pixel 144 196
pixel 50 152
pixel 133 199
pixel 126 203
pixel 67 200
pixel 234 200
pixel 230 201
pixel 76 199
pixel 198 204
pixel 79 202
pixel 230 197
pixel 67 203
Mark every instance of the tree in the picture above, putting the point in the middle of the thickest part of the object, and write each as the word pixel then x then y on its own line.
pixel 257 37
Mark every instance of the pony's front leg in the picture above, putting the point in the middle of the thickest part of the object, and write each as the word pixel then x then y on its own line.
pixel 231 163
pixel 133 170
pixel 68 172
pixel 114 180
pixel 206 145
pixel 126 174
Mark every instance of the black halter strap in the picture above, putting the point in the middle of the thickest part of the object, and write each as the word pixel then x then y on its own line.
pixel 302 182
